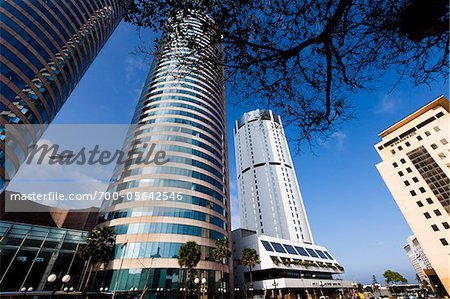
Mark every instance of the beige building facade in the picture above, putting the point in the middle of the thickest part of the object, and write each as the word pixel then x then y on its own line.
pixel 415 166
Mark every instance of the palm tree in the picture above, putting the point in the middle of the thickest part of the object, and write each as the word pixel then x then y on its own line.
pixel 189 257
pixel 97 250
pixel 250 258
pixel 221 252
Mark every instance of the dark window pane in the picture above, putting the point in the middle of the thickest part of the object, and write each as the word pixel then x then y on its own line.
pixel 301 251
pixel 267 245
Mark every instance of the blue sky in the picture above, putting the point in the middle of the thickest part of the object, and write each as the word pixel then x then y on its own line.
pixel 350 210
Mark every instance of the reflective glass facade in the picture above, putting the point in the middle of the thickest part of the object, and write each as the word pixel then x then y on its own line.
pixel 46 47
pixel 30 253
pixel 181 111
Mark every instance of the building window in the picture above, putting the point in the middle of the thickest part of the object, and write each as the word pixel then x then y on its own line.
pixel 406 183
pixel 400 173
pixel 427 133
pixel 436 179
pixel 444 242
pixel 445 225
pixel 419 203
pixel 400 148
pixel 435 228
pixel 436 129
pixel 408 170
pixel 403 161
pixel 407 144
pixel 429 200
pixel 415 179
pixel 422 189
pixel 419 137
pixel 427 215
pixel 444 141
pixel 437 212
pixel 395 164
pixel 413 193
pixel 434 146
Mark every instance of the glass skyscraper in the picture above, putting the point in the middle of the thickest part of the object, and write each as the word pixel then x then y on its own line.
pixel 181 111
pixel 46 47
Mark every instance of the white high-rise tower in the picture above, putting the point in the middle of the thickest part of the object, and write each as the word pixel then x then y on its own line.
pixel 269 195
pixel 273 217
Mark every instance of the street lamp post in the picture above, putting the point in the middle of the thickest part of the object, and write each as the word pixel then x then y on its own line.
pixel 204 286
pixel 120 267
pixel 251 291
pixel 321 287
pixel 51 279
pixel 65 279
pixel 197 283
pixel 275 284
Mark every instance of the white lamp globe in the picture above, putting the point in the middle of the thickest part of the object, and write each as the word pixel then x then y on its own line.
pixel 203 280
pixel 66 278
pixel 51 278
pixel 196 280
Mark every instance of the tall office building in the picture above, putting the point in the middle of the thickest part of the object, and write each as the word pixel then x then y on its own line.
pixel 416 169
pixel 417 258
pixel 46 47
pixel 269 196
pixel 273 217
pixel 181 111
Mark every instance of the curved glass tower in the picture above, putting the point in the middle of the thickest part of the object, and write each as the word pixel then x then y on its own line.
pixel 46 47
pixel 181 111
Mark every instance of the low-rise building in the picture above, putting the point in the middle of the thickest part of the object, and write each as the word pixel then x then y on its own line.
pixel 29 253
pixel 38 240
pixel 306 270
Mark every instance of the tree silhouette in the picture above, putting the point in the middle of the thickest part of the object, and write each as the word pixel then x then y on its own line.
pixel 189 257
pixel 393 277
pixel 97 250
pixel 249 258
pixel 221 252
pixel 304 58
